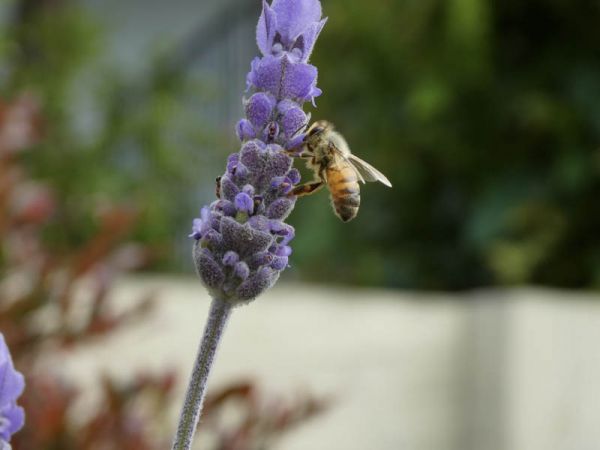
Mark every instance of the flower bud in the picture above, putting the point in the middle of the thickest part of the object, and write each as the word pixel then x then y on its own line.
pixel 245 130
pixel 259 109
pixel 244 203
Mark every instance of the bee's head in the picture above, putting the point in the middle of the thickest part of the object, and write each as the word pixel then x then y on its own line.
pixel 317 129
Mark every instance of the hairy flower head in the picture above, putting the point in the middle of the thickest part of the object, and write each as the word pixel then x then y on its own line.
pixel 242 240
pixel 12 417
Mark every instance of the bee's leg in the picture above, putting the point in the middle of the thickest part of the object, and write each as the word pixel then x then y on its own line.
pixel 218 187
pixel 296 153
pixel 295 145
pixel 307 188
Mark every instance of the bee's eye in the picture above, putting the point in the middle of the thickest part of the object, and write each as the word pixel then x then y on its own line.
pixel 315 130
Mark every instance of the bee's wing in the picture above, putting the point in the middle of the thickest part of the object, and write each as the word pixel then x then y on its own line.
pixel 340 158
pixel 366 171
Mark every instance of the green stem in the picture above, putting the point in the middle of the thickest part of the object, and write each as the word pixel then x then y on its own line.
pixel 190 413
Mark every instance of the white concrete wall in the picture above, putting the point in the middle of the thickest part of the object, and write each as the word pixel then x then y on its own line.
pixel 509 370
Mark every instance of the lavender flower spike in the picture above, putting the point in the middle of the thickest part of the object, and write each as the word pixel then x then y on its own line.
pixel 247 222
pixel 242 241
pixel 12 417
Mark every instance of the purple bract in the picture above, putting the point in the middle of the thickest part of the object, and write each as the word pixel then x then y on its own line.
pixel 12 417
pixel 242 241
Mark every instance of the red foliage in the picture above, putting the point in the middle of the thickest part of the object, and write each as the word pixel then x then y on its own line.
pixel 261 422
pixel 35 282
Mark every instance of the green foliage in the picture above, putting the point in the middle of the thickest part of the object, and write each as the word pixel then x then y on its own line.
pixel 486 119
pixel 107 136
pixel 487 122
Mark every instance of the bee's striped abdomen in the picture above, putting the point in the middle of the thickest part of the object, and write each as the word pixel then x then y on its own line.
pixel 345 191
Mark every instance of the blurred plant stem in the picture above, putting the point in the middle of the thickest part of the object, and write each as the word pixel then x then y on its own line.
pixel 190 413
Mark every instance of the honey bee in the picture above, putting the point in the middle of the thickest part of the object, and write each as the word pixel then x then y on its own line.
pixel 327 153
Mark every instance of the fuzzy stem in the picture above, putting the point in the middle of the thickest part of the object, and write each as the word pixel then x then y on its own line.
pixel 190 413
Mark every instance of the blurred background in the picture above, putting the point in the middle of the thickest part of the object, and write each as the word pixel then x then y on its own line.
pixel 483 261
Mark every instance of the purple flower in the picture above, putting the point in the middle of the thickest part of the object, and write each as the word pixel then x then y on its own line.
pixel 12 417
pixel 289 26
pixel 286 34
pixel 242 241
